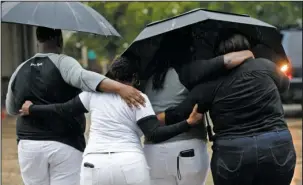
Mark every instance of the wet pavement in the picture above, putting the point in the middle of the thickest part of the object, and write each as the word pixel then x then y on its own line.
pixel 11 173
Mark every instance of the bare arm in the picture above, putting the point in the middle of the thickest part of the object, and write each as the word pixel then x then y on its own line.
pixel 234 59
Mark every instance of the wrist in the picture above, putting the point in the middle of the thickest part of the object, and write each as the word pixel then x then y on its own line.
pixel 30 108
pixel 190 121
pixel 250 54
pixel 111 86
pixel 119 87
pixel 227 59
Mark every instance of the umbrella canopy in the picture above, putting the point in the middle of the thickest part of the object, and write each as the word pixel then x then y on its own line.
pixel 73 16
pixel 202 28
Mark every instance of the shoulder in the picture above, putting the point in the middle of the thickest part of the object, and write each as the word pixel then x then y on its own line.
pixel 172 73
pixel 147 101
pixel 66 58
pixel 144 111
pixel 145 96
pixel 19 67
pixel 85 95
pixel 263 60
pixel 265 63
pixel 63 59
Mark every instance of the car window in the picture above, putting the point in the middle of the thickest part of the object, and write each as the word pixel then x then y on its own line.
pixel 292 44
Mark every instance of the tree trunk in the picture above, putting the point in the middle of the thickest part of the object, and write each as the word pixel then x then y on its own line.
pixel 112 47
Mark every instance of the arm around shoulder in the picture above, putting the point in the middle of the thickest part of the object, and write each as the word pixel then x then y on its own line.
pixel 74 74
pixel 73 107
pixel 153 130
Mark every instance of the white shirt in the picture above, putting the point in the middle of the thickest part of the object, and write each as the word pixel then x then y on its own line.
pixel 113 124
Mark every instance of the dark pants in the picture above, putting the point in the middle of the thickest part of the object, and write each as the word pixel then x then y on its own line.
pixel 265 159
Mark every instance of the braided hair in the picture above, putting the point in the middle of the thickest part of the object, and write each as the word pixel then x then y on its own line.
pixel 122 70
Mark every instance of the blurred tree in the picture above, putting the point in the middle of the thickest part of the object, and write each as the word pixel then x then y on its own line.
pixel 129 18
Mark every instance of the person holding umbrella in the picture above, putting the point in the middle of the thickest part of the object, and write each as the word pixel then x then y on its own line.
pixel 252 143
pixel 50 148
pixel 114 154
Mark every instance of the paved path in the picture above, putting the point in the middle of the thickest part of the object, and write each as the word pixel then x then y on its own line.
pixel 11 174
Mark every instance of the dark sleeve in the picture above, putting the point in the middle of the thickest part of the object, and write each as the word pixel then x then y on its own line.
pixel 72 107
pixel 155 132
pixel 202 95
pixel 198 71
pixel 280 79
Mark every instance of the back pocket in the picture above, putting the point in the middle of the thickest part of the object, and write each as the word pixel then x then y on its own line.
pixel 157 161
pixel 190 165
pixel 136 172
pixel 229 164
pixel 86 176
pixel 284 157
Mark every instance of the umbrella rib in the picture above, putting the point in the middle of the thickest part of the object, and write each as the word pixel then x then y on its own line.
pixel 97 21
pixel 73 13
pixel 33 14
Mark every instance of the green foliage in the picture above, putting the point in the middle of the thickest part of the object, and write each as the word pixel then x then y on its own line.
pixel 129 18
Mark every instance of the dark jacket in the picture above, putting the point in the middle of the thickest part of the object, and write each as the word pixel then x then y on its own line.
pixel 243 101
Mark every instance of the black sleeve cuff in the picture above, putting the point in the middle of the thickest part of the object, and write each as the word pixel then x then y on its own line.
pixel 155 132
pixel 220 61
pixel 171 116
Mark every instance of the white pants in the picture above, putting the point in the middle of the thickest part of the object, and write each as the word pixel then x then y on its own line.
pixel 49 163
pixel 125 168
pixel 162 159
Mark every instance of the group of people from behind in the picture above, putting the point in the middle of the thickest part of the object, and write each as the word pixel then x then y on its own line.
pixel 252 144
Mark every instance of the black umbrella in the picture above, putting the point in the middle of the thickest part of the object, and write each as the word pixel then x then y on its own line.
pixel 202 28
pixel 74 16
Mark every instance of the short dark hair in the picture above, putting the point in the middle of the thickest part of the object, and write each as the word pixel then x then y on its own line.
pixel 45 34
pixel 231 41
pixel 122 70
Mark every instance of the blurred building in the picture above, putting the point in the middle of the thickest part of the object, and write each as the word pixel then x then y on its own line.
pixel 18 44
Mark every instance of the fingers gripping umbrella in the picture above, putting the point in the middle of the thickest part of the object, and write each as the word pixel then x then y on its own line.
pixel 73 16
pixel 202 27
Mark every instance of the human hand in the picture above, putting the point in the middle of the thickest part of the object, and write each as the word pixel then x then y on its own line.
pixel 234 59
pixel 247 54
pixel 131 96
pixel 24 111
pixel 194 116
pixel 161 117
